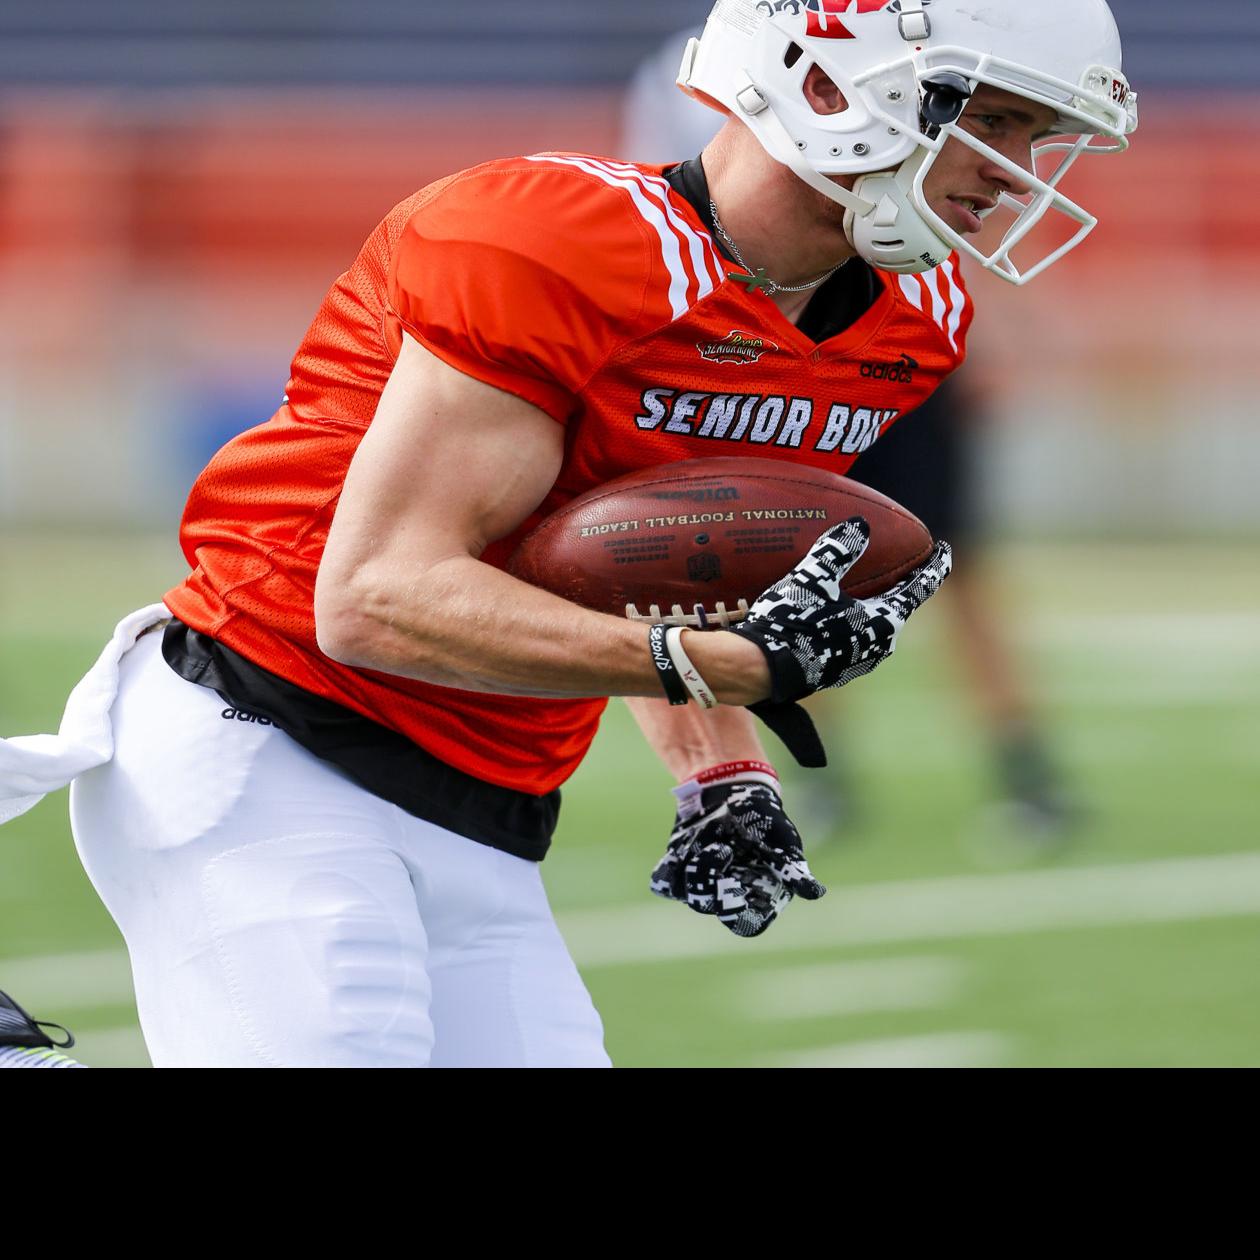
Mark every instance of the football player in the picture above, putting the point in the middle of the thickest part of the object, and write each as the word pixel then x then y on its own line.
pixel 930 467
pixel 326 766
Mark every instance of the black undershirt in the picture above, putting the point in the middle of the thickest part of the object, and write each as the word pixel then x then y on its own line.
pixel 388 764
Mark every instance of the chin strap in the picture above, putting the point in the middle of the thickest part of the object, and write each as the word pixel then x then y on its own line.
pixel 896 237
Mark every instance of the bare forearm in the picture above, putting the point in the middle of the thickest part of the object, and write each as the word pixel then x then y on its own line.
pixel 465 624
pixel 689 739
pixel 401 589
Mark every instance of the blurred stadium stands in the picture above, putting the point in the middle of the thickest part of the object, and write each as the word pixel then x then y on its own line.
pixel 180 183
pixel 398 43
pixel 160 44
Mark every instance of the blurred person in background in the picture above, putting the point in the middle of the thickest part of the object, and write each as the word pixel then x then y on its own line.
pixel 927 462
pixel 316 780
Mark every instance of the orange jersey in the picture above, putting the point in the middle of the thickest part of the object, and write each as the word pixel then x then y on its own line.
pixel 590 288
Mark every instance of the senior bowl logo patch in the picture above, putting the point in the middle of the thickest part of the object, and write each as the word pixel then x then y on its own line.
pixel 736 347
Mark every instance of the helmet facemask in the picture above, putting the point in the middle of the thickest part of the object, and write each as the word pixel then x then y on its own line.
pixel 1084 124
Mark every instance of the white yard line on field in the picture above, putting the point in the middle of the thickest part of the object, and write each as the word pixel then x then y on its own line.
pixel 850 988
pixel 937 909
pixel 941 1050
pixel 1146 632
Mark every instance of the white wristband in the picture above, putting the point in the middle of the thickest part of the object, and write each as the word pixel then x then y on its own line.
pixel 700 690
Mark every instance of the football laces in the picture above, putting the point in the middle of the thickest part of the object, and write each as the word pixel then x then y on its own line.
pixel 721 618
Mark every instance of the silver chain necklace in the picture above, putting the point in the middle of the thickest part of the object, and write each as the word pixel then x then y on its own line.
pixel 760 280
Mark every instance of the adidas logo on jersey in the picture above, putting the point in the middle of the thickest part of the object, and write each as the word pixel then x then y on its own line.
pixel 903 370
pixel 240 715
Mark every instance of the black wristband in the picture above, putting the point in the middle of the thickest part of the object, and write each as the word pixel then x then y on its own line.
pixel 666 671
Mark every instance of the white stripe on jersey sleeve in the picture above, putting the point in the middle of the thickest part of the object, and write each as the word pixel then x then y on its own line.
pixel 934 292
pixel 958 300
pixel 947 314
pixel 705 262
pixel 652 215
pixel 913 289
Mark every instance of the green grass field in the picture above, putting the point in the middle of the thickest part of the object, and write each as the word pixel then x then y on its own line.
pixel 942 941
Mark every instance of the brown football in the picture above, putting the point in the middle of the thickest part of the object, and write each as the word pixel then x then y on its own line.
pixel 709 532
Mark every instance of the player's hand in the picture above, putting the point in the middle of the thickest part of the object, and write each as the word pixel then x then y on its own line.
pixel 733 852
pixel 814 636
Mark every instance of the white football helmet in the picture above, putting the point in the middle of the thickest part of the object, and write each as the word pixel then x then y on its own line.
pixel 906 69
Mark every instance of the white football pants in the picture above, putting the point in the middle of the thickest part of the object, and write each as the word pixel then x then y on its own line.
pixel 279 915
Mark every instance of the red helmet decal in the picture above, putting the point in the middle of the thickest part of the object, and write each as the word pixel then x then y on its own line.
pixel 824 16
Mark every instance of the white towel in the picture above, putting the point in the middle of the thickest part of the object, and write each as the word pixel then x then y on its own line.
pixel 31 766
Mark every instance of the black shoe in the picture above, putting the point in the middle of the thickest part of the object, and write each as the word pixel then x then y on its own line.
pixel 1034 793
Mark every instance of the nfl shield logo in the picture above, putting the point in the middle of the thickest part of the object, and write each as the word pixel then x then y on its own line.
pixel 704 567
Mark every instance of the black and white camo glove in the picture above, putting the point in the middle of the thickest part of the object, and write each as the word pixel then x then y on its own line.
pixel 814 636
pixel 733 852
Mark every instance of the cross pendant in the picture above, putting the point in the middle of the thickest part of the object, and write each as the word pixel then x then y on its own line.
pixel 752 283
